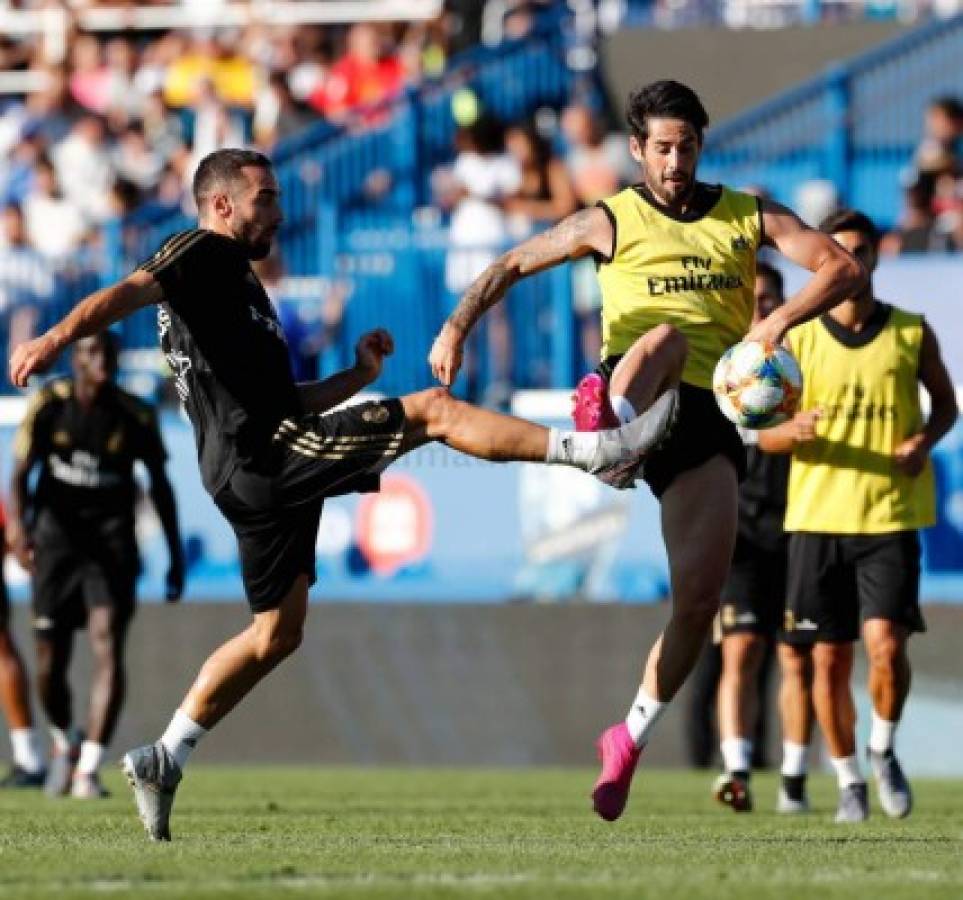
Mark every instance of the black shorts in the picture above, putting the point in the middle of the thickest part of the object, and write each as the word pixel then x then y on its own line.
pixel 701 431
pixel 275 513
pixel 4 603
pixel 754 595
pixel 836 582
pixel 77 569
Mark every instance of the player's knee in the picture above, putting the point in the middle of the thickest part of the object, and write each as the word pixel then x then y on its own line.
pixel 440 410
pixel 832 662
pixel 697 610
pixel 885 653
pixel 277 643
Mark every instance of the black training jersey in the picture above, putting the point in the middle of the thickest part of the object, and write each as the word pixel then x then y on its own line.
pixel 226 349
pixel 762 497
pixel 87 454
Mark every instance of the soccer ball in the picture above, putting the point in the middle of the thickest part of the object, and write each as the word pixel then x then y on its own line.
pixel 757 386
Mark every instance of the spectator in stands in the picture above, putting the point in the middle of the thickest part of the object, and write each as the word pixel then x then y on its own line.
pixel 51 111
pixel 545 193
pixel 916 231
pixel 368 73
pixel 277 114
pixel 26 283
pixel 600 163
pixel 475 190
pixel 83 168
pixel 943 135
pixel 134 160
pixel 55 227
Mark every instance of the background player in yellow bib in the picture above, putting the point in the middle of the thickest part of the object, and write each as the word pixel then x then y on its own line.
pixel 860 486
pixel 676 268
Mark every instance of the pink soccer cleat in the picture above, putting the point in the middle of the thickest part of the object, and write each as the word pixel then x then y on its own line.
pixel 619 757
pixel 593 410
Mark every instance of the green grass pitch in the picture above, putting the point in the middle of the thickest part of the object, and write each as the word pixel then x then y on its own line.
pixel 380 833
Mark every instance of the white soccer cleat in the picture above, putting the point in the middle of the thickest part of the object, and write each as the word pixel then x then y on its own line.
pixel 790 807
pixel 895 794
pixel 154 776
pixel 622 451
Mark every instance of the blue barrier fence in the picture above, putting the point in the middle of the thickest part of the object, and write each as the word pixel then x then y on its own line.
pixel 855 126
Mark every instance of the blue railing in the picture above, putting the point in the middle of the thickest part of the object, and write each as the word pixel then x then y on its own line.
pixel 856 125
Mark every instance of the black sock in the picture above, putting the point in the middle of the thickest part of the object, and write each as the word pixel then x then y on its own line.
pixel 794 786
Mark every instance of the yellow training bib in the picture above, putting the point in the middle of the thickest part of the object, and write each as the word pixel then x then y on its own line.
pixel 845 481
pixel 697 275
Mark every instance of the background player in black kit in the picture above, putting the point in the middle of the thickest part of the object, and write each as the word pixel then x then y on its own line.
pixel 268 453
pixel 754 594
pixel 74 530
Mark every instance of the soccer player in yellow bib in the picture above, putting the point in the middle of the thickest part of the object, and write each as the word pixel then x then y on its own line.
pixel 677 261
pixel 860 486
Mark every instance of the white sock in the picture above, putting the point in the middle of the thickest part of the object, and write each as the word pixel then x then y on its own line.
pixel 623 410
pixel 847 771
pixel 91 756
pixel 26 749
pixel 736 754
pixel 643 714
pixel 794 761
pixel 572 448
pixel 881 734
pixel 60 739
pixel 181 737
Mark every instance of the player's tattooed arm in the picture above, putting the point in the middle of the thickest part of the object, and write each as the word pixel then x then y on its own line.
pixel 584 232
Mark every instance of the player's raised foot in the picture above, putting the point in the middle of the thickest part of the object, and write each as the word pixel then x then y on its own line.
pixel 87 786
pixel 154 776
pixel 732 790
pixel 792 799
pixel 593 409
pixel 622 451
pixel 60 771
pixel 19 778
pixel 853 804
pixel 619 757
pixel 895 794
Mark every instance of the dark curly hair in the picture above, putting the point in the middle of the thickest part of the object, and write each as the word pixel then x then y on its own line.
pixel 664 100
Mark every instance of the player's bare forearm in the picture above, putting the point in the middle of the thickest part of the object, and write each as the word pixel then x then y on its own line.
pixel 835 279
pixel 836 275
pixel 320 396
pixel 781 439
pixel 573 237
pixel 104 307
pixel 92 315
pixel 18 503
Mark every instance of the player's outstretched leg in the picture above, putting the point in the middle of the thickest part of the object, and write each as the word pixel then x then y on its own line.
pixel 889 681
pixel 699 539
pixel 612 455
pixel 230 672
pixel 54 648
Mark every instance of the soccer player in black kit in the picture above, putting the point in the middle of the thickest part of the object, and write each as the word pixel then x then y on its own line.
pixel 270 451
pixel 74 531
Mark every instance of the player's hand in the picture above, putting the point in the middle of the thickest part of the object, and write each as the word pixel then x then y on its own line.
pixel 371 350
pixel 804 425
pixel 911 455
pixel 174 582
pixel 446 355
pixel 32 357
pixel 22 548
pixel 770 331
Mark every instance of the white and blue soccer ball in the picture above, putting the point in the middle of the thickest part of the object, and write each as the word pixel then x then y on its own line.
pixel 757 386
